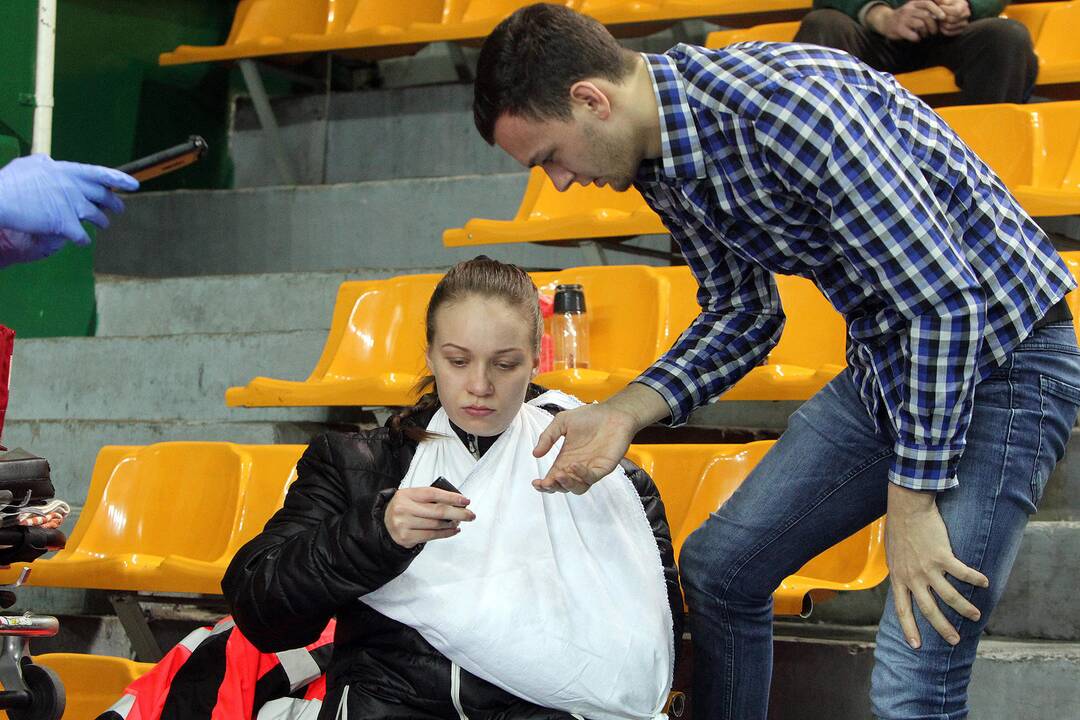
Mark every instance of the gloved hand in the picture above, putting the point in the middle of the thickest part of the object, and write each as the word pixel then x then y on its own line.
pixel 19 247
pixel 44 201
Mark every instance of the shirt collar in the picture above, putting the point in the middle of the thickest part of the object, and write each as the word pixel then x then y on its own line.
pixel 681 155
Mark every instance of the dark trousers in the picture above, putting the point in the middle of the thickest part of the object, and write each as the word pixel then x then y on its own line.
pixel 993 59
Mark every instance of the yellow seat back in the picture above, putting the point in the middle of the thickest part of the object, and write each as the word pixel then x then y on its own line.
pixel 378 328
pixel 162 500
pixel 722 468
pixel 625 311
pixel 256 21
pixel 92 682
pixel 368 14
pixel 695 480
pixel 815 334
pixel 273 471
pixel 1003 136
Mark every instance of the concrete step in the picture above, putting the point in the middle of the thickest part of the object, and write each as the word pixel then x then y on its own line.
pixel 825 673
pixel 322 228
pixel 1039 600
pixel 371 135
pixel 171 377
pixel 418 124
pixel 1061 498
pixel 275 302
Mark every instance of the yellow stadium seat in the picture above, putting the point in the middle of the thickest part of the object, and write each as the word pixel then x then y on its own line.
pixel 1034 149
pixel 470 19
pixel 92 682
pixel 654 13
pixel 168 517
pixel 284 27
pixel 1072 259
pixel 809 354
pixel 370 28
pixel 1052 26
pixel 695 480
pixel 545 215
pixel 374 351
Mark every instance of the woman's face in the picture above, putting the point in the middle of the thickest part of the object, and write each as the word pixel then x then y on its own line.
pixel 482 358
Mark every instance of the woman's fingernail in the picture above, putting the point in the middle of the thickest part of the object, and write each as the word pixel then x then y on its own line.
pixel 914 643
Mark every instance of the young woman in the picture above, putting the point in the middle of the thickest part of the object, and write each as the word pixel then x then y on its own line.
pixel 362 528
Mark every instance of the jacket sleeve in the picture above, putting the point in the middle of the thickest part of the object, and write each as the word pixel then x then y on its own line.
pixel 654 510
pixel 986 8
pixel 848 7
pixel 323 549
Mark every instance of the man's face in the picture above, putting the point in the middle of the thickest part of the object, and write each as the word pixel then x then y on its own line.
pixel 581 150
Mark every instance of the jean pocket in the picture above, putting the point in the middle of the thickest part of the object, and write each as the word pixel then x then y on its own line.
pixel 1061 389
pixel 1060 402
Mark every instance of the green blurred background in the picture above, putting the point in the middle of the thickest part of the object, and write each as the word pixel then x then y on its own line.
pixel 113 104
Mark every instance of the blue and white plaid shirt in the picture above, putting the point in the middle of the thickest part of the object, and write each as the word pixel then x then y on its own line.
pixel 798 160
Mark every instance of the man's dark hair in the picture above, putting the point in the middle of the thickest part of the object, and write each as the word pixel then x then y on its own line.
pixel 532 58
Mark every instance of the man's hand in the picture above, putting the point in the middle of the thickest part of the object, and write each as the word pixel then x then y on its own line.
pixel 42 197
pixel 919 556
pixel 597 438
pixel 912 21
pixel 957 16
pixel 417 515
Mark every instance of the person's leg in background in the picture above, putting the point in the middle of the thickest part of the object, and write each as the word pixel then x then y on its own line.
pixel 1022 418
pixel 834 29
pixel 825 478
pixel 993 60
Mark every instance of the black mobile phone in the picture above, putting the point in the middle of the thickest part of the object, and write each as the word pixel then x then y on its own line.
pixel 166 161
pixel 444 484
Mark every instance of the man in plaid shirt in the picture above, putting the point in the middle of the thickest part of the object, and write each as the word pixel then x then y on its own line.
pixel 963 376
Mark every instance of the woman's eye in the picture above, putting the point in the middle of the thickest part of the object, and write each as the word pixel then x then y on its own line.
pixel 457 362
pixel 507 366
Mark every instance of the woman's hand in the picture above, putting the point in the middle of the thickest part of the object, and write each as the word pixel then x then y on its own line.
pixel 419 514
pixel 920 556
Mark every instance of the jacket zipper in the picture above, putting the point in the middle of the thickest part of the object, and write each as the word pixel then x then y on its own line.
pixel 455 689
pixel 474 448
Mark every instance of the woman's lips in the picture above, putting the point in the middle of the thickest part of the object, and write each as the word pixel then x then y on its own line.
pixel 476 411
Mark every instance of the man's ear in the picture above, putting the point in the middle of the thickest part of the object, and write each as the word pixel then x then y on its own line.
pixel 586 94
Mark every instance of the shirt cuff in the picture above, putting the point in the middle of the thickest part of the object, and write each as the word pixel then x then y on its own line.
pixel 865 10
pixel 925 467
pixel 676 390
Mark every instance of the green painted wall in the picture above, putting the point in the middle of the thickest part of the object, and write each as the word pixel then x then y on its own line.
pixel 113 104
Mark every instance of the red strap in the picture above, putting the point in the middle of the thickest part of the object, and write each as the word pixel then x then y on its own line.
pixel 7 344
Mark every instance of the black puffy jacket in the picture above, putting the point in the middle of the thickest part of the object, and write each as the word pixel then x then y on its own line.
pixel 328 545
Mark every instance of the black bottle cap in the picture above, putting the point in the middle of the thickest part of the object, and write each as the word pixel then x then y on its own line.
pixel 569 299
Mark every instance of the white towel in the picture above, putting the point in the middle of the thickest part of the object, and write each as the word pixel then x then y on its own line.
pixel 557 598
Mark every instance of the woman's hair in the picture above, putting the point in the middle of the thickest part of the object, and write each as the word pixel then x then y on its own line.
pixel 480 277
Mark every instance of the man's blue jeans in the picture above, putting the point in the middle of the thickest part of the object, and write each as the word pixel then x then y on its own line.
pixel 825 478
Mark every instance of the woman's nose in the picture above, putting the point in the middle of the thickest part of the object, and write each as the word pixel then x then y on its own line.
pixel 479 384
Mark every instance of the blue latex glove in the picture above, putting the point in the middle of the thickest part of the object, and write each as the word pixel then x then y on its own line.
pixel 20 247
pixel 43 203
